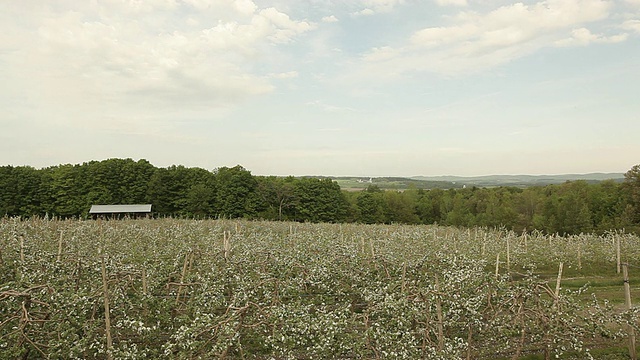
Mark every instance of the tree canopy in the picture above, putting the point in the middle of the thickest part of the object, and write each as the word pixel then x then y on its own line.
pixel 70 190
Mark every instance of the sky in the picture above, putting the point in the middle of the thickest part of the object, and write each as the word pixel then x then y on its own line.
pixel 324 87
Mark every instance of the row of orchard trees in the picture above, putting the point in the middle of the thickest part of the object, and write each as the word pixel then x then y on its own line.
pixel 70 190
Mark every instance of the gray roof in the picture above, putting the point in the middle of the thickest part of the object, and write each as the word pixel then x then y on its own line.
pixel 110 209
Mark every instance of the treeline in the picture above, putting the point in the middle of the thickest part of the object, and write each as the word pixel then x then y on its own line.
pixel 70 190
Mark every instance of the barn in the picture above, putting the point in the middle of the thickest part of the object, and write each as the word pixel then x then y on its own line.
pixel 120 211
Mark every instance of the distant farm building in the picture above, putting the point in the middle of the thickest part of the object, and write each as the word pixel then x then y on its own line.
pixel 120 211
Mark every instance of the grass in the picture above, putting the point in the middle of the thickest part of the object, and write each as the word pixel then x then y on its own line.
pixel 602 281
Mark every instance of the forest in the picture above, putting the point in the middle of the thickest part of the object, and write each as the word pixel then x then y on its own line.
pixel 68 191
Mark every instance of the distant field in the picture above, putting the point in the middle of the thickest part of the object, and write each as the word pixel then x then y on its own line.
pixel 450 182
pixel 258 290
pixel 356 184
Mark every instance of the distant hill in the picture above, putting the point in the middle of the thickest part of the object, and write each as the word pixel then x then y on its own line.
pixel 452 182
pixel 523 180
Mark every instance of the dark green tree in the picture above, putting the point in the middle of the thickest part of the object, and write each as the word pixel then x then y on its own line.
pixel 400 207
pixel 632 189
pixel 8 192
pixel 20 191
pixel 371 205
pixel 320 201
pixel 527 204
pixel 200 200
pixel 162 191
pixel 500 210
pixel 66 192
pixel 236 192
pixel 134 180
pixel 277 196
pixel 429 205
pixel 171 191
pixel 458 208
pixel 607 204
pixel 566 209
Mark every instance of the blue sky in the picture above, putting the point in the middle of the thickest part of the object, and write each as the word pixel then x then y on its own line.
pixel 324 87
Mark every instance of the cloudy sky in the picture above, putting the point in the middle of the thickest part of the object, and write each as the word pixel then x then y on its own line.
pixel 324 87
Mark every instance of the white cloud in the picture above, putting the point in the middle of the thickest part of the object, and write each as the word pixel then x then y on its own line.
pixel 245 6
pixel 330 19
pixel 372 7
pixel 475 41
pixel 615 38
pixel 436 36
pixel 452 2
pixel 632 25
pixel 283 29
pixel 141 6
pixel 284 75
pixel 382 5
pixel 382 54
pixel 328 107
pixel 104 53
pixel 364 12
pixel 583 37
pixel 164 78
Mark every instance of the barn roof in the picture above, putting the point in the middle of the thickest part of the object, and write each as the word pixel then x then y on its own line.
pixel 111 209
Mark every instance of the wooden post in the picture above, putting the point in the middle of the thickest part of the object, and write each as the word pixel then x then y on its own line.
pixel 497 264
pixel 469 339
pixel 627 300
pixel 191 255
pixel 454 240
pixel 579 257
pixel 440 316
pixel 19 270
pixel 404 274
pixel 144 280
pixel 60 246
pixel 78 273
pixel 226 244
pixel 182 277
pixel 22 250
pixel 558 280
pixel 107 318
pixel 508 255
pixel 617 253
pixel 484 243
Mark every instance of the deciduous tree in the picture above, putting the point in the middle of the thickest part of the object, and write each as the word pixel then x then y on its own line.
pixel 632 187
